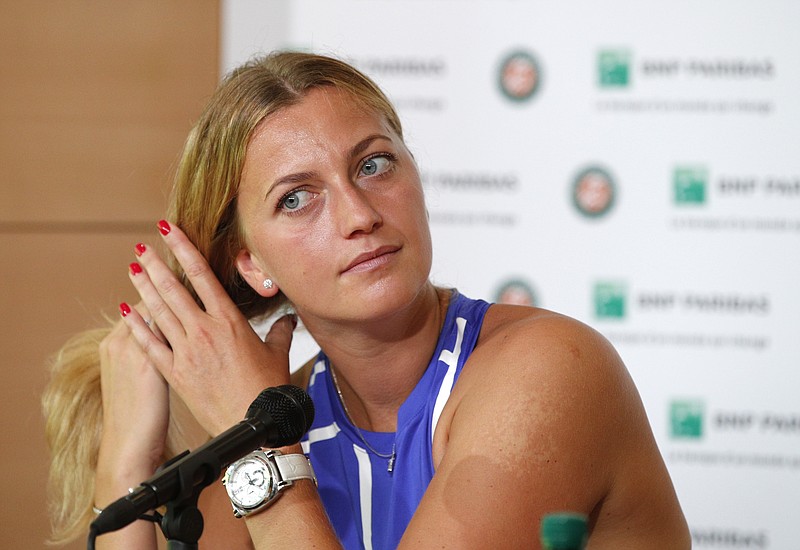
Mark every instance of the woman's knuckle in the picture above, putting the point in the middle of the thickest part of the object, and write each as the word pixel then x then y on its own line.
pixel 195 269
pixel 168 286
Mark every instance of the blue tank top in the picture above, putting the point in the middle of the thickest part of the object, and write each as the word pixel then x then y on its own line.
pixel 369 505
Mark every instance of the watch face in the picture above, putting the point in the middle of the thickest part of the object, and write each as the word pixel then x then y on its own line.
pixel 249 483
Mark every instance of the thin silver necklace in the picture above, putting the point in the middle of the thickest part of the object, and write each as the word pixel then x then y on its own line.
pixel 391 456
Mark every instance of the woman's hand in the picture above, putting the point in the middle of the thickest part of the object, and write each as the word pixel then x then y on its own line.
pixel 135 416
pixel 213 359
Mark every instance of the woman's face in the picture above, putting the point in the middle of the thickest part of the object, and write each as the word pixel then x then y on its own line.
pixel 333 211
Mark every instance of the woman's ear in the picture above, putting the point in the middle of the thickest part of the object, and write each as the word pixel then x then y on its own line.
pixel 255 276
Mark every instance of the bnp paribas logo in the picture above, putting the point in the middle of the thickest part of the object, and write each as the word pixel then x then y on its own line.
pixel 686 418
pixel 519 76
pixel 609 299
pixel 689 184
pixel 614 68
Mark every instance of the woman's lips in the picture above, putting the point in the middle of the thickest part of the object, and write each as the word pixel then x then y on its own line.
pixel 371 260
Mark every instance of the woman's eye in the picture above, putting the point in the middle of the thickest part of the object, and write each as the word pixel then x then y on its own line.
pixel 295 200
pixel 376 165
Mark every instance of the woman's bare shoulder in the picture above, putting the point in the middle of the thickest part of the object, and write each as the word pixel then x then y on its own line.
pixel 552 373
pixel 531 359
pixel 543 341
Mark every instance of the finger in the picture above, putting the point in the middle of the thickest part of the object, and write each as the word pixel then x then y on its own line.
pixel 158 310
pixel 156 350
pixel 154 328
pixel 203 279
pixel 149 321
pixel 281 333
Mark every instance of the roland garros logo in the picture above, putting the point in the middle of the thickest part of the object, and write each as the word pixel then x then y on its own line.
pixel 515 291
pixel 519 76
pixel 593 192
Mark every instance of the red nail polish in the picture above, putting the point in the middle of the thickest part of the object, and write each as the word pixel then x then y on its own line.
pixel 124 309
pixel 163 227
pixel 140 248
pixel 135 268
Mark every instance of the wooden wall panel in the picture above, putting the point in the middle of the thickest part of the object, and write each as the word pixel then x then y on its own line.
pixel 96 98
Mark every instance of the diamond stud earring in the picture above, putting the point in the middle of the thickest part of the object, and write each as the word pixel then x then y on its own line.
pixel 268 283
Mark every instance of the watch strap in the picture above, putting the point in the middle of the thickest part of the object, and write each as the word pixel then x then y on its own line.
pixel 293 467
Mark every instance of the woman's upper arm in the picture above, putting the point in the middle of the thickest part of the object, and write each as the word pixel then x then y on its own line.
pixel 537 428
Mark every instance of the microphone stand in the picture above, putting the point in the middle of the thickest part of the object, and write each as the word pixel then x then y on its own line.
pixel 182 524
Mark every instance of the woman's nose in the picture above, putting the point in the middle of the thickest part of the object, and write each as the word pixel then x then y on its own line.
pixel 356 212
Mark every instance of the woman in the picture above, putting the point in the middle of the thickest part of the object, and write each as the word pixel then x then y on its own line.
pixel 441 421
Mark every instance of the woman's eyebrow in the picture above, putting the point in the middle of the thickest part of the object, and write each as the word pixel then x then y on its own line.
pixel 295 178
pixel 362 145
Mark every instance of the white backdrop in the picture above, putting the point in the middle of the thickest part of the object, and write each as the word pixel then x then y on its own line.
pixel 635 165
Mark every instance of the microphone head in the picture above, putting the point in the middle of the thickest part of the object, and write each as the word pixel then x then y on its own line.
pixel 290 408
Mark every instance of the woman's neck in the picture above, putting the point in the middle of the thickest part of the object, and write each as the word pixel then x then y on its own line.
pixel 378 364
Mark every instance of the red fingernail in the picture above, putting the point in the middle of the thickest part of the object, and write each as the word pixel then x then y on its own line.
pixel 135 268
pixel 164 227
pixel 140 248
pixel 124 309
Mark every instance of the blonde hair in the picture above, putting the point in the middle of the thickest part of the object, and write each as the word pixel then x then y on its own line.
pixel 73 417
pixel 203 204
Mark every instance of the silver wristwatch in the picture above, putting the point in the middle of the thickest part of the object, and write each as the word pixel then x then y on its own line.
pixel 257 480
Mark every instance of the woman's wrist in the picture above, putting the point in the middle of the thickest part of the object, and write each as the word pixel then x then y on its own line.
pixel 111 488
pixel 114 476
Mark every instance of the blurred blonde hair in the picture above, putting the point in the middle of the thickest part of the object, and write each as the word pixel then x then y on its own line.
pixel 203 204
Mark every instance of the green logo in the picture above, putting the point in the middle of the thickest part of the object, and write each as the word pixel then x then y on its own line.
pixel 686 419
pixel 689 183
pixel 609 300
pixel 613 68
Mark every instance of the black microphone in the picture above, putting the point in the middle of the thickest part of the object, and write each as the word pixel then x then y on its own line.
pixel 278 417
